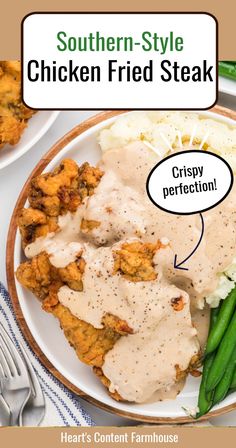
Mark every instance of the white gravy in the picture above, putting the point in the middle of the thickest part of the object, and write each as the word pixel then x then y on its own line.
pixel 144 362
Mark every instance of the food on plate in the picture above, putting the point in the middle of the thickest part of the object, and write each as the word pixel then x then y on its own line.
pixel 100 259
pixel 223 355
pixel 205 400
pixel 228 69
pixel 219 365
pixel 225 315
pixel 14 115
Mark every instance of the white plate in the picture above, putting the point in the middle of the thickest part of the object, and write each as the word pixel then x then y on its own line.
pixel 227 86
pixel 45 328
pixel 38 125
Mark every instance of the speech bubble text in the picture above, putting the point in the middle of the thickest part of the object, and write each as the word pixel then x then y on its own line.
pixel 189 182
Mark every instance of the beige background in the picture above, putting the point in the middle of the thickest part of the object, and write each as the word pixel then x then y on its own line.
pixel 13 11
pixel 187 437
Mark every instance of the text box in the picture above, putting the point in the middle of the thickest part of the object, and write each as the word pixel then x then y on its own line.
pixel 119 60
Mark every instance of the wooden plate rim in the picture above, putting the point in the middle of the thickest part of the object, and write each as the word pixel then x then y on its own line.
pixel 44 161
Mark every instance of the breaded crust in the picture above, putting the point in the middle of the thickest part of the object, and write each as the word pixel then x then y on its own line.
pixel 91 344
pixel 54 194
pixel 14 115
pixel 44 280
pixel 134 260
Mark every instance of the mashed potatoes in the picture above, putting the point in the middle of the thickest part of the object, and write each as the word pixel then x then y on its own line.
pixel 157 127
pixel 162 131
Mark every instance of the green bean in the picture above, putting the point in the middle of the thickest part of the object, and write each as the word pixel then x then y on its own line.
pixel 224 385
pixel 231 391
pixel 233 382
pixel 214 316
pixel 227 69
pixel 205 400
pixel 223 355
pixel 222 322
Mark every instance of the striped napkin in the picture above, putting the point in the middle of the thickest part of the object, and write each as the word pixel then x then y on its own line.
pixel 62 407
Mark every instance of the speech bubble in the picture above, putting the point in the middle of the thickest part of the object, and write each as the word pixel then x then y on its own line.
pixel 189 182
